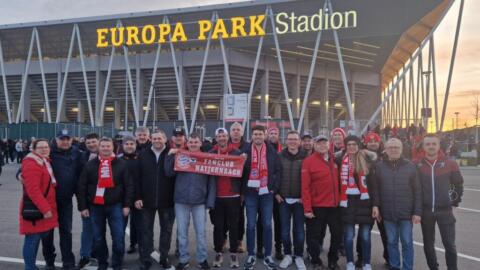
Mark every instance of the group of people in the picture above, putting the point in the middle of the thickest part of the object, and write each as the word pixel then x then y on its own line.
pixel 292 190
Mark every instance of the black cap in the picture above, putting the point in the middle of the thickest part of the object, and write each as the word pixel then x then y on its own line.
pixel 307 135
pixel 321 138
pixel 64 133
pixel 179 131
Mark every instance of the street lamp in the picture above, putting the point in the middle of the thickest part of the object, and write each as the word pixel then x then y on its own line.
pixel 456 115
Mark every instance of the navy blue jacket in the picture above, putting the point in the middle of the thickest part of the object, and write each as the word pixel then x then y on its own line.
pixel 67 166
pixel 274 169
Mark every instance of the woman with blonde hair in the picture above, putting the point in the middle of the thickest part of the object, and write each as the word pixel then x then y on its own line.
pixel 355 177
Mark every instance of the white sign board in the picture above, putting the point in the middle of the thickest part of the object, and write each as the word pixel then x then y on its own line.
pixel 235 107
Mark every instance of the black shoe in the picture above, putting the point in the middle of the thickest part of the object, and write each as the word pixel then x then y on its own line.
pixel 359 263
pixel 182 266
pixel 333 265
pixel 132 249
pixel 249 263
pixel 204 265
pixel 84 261
pixel 177 253
pixel 165 264
pixel 145 266
pixel 341 252
pixel 72 267
pixel 269 263
pixel 278 255
pixel 260 255
pixel 50 267
pixel 103 267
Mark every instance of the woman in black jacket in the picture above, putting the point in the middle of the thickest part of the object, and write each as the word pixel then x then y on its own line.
pixel 355 178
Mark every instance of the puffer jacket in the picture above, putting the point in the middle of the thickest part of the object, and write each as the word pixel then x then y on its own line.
pixel 191 188
pixel 67 166
pixel 398 192
pixel 290 184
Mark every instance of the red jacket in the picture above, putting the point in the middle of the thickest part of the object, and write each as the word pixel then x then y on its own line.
pixel 35 180
pixel 320 182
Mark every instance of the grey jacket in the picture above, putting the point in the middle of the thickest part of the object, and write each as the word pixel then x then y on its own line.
pixel 191 188
pixel 397 190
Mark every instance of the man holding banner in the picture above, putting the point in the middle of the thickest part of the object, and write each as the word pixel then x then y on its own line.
pixel 194 193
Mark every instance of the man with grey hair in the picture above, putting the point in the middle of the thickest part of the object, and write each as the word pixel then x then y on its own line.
pixel 155 195
pixel 397 195
pixel 236 136
pixel 142 135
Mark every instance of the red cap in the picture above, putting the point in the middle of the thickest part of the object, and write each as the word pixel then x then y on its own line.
pixel 372 136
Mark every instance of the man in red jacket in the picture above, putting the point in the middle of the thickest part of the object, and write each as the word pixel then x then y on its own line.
pixel 320 196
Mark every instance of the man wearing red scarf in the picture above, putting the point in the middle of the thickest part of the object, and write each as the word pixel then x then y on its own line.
pixel 263 171
pixel 105 193
pixel 226 213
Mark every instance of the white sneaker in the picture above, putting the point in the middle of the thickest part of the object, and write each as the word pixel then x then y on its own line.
pixel 350 266
pixel 286 262
pixel 300 263
pixel 367 267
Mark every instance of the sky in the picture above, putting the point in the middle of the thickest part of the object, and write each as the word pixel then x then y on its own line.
pixel 466 76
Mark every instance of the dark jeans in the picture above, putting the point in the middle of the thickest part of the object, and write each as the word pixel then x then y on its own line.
pixel 135 218
pixel 254 204
pixel 446 224
pixel 365 239
pixel 30 249
pixel 241 222
pixel 65 216
pixel 225 218
pixel 86 245
pixel 383 235
pixel 315 232
pixel 401 229
pixel 100 214
pixel 166 218
pixel 287 212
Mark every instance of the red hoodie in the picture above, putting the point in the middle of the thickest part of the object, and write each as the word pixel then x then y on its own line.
pixel 320 182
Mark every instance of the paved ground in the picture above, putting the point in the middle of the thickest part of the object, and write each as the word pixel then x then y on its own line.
pixel 468 235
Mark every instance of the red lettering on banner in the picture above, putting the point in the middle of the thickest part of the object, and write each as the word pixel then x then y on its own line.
pixel 211 164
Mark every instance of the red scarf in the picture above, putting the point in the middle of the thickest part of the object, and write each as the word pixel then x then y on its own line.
pixel 105 178
pixel 259 170
pixel 349 185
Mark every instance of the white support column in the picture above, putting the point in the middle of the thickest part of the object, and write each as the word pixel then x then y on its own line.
pixel 264 96
pixel 434 80
pixel 99 94
pixel 281 67
pixel 117 120
pixel 296 95
pixel 25 109
pixel 225 61
pixel 5 86
pixel 62 113
pixel 24 81
pixel 140 87
pixel 326 104
pixel 342 69
pixel 44 82
pixel 353 91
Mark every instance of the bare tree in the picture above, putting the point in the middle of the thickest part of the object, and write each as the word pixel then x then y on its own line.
pixel 475 103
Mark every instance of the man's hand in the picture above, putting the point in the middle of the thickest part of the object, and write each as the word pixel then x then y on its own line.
pixel 309 215
pixel 85 213
pixel 416 219
pixel 48 214
pixel 126 211
pixel 376 214
pixel 279 198
pixel 173 151
pixel 244 156
pixel 139 204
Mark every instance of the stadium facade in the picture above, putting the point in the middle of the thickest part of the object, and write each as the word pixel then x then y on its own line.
pixel 309 65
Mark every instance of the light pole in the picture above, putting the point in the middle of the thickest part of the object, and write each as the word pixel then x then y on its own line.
pixel 456 115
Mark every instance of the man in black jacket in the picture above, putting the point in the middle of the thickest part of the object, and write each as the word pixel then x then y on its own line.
pixel 442 185
pixel 397 194
pixel 155 195
pixel 142 135
pixel 263 170
pixel 129 146
pixel 105 193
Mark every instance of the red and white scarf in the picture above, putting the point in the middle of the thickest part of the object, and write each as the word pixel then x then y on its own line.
pixel 259 170
pixel 105 178
pixel 348 183
pixel 50 170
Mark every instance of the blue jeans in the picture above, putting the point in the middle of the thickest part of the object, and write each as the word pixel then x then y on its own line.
pixel 86 245
pixel 114 215
pixel 364 234
pixel 65 216
pixel 30 249
pixel 182 214
pixel 287 211
pixel 401 229
pixel 264 204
